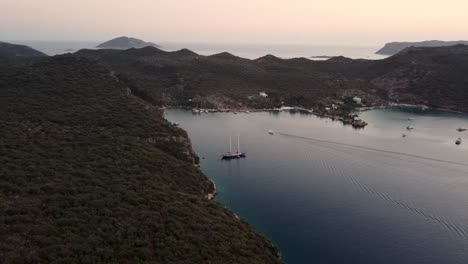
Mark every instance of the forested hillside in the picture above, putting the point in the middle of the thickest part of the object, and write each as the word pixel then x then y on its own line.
pixel 92 174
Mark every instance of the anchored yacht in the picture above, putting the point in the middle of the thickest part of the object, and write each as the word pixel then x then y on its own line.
pixel 233 155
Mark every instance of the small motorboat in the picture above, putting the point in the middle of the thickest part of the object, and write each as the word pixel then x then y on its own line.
pixel 461 129
pixel 358 123
pixel 404 135
pixel 271 132
pixel 409 127
pixel 459 141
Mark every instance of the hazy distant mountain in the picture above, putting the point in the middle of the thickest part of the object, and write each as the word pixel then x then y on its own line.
pixel 125 43
pixel 12 50
pixel 395 47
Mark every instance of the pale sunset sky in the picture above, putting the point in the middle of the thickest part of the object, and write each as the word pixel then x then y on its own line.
pixel 359 22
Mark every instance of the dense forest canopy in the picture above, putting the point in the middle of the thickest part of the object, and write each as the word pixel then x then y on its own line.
pixel 91 174
pixel 429 76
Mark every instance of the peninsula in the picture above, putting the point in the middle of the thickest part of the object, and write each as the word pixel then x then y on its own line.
pixel 92 173
pixel 395 47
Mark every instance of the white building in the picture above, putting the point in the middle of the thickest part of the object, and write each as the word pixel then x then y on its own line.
pixel 357 100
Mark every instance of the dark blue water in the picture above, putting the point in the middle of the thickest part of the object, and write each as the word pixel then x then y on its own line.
pixel 325 193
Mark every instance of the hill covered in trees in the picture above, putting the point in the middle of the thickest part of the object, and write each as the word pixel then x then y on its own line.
pixel 12 50
pixel 430 76
pixel 12 55
pixel 92 174
pixel 223 80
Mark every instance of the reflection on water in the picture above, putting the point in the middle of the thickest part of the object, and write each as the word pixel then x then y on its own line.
pixel 326 193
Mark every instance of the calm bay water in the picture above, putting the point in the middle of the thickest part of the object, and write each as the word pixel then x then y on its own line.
pixel 339 195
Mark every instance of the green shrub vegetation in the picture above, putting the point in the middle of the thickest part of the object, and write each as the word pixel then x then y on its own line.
pixel 92 174
pixel 430 76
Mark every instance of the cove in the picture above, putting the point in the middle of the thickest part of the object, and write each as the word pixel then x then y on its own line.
pixel 328 193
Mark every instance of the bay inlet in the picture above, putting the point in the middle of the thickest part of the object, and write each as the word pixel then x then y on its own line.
pixel 328 193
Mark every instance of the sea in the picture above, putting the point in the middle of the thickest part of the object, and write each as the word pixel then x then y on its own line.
pixel 327 193
pixel 249 51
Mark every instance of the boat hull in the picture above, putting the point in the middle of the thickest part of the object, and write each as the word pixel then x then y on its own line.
pixel 233 156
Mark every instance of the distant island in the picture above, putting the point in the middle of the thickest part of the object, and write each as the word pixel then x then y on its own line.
pixel 12 50
pixel 126 43
pixel 393 48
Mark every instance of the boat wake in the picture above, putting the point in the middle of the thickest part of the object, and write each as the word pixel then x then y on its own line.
pixel 375 149
pixel 331 149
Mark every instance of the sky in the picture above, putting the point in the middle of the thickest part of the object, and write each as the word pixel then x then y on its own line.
pixel 357 22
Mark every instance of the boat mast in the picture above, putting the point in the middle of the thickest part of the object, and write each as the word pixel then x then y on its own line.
pixel 238 144
pixel 230 145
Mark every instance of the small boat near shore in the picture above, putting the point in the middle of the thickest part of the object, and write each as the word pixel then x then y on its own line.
pixel 358 123
pixel 233 155
pixel 461 129
pixel 271 132
pixel 459 141
pixel 410 126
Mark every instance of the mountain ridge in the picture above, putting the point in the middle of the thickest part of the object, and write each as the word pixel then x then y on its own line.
pixel 393 48
pixel 174 79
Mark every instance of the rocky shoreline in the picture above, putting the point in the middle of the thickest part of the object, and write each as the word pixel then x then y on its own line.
pixel 346 120
pixel 350 119
pixel 212 195
pixel 422 107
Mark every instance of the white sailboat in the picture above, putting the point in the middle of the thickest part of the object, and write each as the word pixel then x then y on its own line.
pixel 236 155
